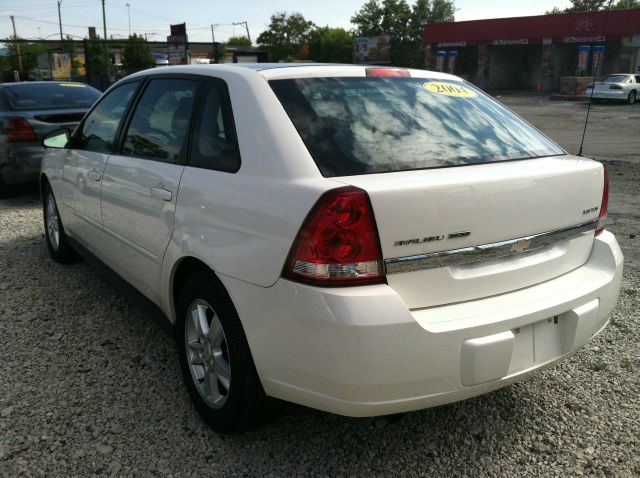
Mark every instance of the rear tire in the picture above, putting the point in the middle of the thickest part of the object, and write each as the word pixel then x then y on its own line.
pixel 595 101
pixel 632 97
pixel 57 241
pixel 215 359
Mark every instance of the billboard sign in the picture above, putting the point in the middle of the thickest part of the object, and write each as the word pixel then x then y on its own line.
pixel 372 50
pixel 60 66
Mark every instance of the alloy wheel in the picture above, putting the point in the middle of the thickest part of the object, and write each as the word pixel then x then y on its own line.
pixel 207 353
pixel 52 222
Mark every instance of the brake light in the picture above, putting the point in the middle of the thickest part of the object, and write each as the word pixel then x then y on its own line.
pixel 387 72
pixel 615 87
pixel 338 242
pixel 20 130
pixel 602 217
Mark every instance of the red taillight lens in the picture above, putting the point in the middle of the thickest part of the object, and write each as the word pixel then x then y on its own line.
pixel 20 130
pixel 602 217
pixel 387 72
pixel 338 243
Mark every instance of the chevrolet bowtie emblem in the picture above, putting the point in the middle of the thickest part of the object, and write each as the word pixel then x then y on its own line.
pixel 520 246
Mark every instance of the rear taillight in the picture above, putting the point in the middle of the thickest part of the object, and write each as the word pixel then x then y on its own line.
pixel 387 72
pixel 20 130
pixel 338 242
pixel 602 217
pixel 615 87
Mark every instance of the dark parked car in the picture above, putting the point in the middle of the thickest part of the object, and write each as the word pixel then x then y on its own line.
pixel 28 111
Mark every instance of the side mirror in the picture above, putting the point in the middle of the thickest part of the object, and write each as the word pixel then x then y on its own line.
pixel 58 138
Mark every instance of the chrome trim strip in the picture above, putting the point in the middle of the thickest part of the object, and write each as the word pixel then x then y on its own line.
pixel 468 255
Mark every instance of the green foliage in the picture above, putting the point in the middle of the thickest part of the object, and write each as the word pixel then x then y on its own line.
pixel 331 45
pixel 286 36
pixel 624 4
pixel 238 41
pixel 136 55
pixel 405 23
pixel 96 61
pixel 595 5
pixel 28 52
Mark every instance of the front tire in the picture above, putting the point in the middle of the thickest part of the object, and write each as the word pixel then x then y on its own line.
pixel 632 98
pixel 215 358
pixel 57 241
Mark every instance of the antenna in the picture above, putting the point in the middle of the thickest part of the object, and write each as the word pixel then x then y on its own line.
pixel 593 83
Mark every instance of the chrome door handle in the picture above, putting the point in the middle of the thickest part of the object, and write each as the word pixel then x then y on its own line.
pixel 162 193
pixel 95 175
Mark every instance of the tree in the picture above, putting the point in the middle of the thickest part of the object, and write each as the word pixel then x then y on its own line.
pixel 554 11
pixel 442 11
pixel 95 57
pixel 286 36
pixel 238 41
pixel 331 45
pixel 404 23
pixel 624 4
pixel 136 55
pixel 28 53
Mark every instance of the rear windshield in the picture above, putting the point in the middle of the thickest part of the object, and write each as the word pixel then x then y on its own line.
pixel 50 96
pixel 373 125
pixel 616 78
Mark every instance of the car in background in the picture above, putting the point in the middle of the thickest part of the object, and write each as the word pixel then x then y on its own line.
pixel 618 86
pixel 361 240
pixel 28 111
pixel 160 59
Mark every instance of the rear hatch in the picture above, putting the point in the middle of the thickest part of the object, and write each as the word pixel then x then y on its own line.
pixel 456 234
pixel 460 186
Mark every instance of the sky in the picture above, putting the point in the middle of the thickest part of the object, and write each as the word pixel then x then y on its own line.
pixel 37 19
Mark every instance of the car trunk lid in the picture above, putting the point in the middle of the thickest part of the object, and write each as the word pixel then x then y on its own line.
pixel 424 215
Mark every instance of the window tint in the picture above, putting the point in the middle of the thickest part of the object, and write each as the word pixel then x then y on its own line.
pixel 99 129
pixel 374 125
pixel 160 123
pixel 214 145
pixel 50 96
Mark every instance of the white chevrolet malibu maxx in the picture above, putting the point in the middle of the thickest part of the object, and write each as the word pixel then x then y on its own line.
pixel 359 240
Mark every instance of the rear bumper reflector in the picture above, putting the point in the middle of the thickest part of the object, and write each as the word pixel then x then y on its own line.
pixel 484 252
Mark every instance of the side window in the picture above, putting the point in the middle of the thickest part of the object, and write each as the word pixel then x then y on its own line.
pixel 214 144
pixel 637 78
pixel 99 128
pixel 160 123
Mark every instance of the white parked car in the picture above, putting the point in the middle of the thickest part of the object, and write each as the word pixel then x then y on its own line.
pixel 619 86
pixel 360 240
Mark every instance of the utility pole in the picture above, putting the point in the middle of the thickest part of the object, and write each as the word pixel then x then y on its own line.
pixel 246 27
pixel 15 37
pixel 213 27
pixel 106 45
pixel 60 20
pixel 129 15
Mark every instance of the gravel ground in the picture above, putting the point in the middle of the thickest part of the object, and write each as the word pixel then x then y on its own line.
pixel 89 386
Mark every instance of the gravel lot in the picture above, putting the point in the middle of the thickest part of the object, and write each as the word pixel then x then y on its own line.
pixel 89 386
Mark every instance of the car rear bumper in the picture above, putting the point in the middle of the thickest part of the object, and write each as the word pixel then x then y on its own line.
pixel 21 163
pixel 361 352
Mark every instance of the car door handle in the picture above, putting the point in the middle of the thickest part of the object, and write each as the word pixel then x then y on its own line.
pixel 95 175
pixel 162 193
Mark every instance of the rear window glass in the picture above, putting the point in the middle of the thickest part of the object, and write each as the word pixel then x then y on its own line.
pixel 373 125
pixel 50 96
pixel 616 78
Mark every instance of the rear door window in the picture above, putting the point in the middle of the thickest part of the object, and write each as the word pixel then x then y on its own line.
pixel 160 123
pixel 373 124
pixel 214 144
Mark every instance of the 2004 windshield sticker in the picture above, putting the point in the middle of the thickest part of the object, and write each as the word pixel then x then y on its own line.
pixel 448 89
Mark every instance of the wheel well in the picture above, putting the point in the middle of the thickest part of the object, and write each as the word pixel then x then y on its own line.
pixel 185 269
pixel 43 183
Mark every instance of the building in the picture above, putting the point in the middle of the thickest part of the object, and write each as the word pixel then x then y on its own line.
pixel 539 51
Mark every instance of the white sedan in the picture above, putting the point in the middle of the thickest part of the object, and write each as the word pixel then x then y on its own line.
pixel 360 240
pixel 619 86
